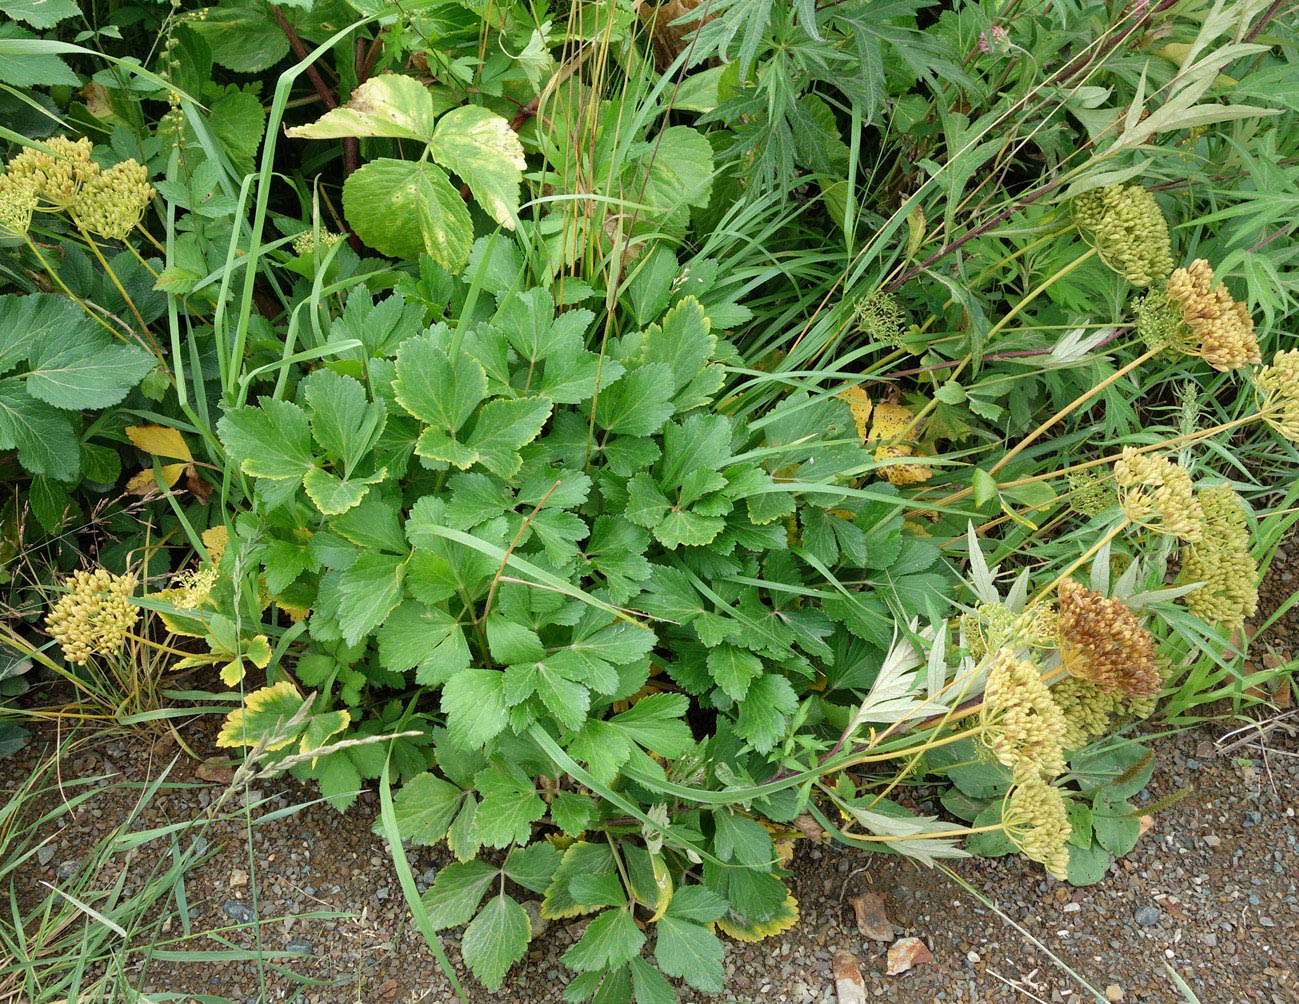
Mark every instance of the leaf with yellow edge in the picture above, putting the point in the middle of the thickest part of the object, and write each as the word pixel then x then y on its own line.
pixel 320 728
pixel 266 712
pixel 160 441
pixel 743 929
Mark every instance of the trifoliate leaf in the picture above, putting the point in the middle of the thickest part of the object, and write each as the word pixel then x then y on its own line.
pixel 533 866
pixel 333 495
pixel 764 711
pixel 743 928
pixel 581 858
pixel 265 713
pixel 734 669
pixel 510 805
pixel 639 403
pixel 425 807
pixel 344 424
pixel 503 427
pixel 416 635
pixel 571 812
pixel 340 782
pixel 435 388
pixel 272 441
pixel 370 589
pixel 657 722
pixel 390 105
pixel 649 986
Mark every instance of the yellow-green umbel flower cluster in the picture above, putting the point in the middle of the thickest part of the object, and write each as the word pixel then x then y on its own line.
pixel 880 318
pixel 1024 726
pixel 992 626
pixel 1089 493
pixel 1087 710
pixel 1218 328
pixel 94 616
pixel 1037 821
pixel 111 204
pixel 1279 384
pixel 308 242
pixel 1128 230
pixel 17 203
pixel 1222 562
pixel 1102 641
pixel 56 177
pixel 1157 494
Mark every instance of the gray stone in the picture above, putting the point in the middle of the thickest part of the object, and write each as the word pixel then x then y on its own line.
pixel 1148 916
pixel 238 912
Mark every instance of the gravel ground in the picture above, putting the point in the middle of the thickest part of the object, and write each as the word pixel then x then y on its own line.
pixel 1212 890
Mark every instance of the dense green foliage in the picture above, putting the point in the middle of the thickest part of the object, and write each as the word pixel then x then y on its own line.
pixel 640 438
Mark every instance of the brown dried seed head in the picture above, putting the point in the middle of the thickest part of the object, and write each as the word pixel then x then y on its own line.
pixel 1102 641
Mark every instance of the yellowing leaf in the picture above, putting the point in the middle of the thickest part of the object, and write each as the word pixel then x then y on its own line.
pixel 663 886
pixel 160 441
pixel 145 484
pixel 892 421
pixel 743 929
pixel 860 404
pixel 215 539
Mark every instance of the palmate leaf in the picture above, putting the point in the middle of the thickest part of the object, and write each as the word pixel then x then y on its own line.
pixel 436 389
pixel 503 427
pixel 408 208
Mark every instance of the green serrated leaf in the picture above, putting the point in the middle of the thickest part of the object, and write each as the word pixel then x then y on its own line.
pixel 407 208
pixel 496 939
